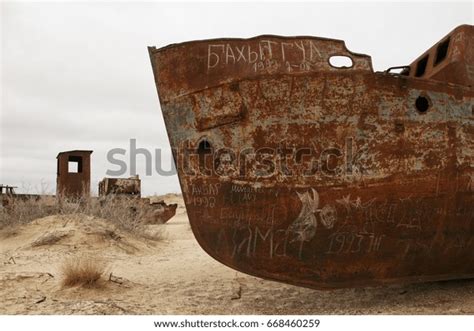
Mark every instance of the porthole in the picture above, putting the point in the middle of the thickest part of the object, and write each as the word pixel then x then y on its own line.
pixel 204 147
pixel 204 152
pixel 422 104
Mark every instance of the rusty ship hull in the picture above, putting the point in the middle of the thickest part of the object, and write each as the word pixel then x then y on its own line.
pixel 296 170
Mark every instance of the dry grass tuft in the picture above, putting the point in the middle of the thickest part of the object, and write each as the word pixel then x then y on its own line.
pixel 83 271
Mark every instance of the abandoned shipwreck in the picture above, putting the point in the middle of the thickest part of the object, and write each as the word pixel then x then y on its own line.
pixel 297 169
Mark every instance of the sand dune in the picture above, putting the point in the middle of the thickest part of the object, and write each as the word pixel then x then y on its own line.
pixel 175 276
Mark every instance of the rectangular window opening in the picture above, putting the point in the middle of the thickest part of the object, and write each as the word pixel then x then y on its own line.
pixel 442 51
pixel 421 66
pixel 74 164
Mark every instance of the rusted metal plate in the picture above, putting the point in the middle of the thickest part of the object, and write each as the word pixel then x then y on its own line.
pixel 161 212
pixel 458 47
pixel 301 172
pixel 120 186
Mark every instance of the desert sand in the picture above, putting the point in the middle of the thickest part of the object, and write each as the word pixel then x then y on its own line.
pixel 175 276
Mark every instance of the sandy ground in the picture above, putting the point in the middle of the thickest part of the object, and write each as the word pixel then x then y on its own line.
pixel 175 276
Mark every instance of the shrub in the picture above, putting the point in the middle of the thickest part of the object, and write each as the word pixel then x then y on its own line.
pixel 82 271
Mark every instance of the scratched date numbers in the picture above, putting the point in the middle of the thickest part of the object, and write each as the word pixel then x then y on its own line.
pixel 299 323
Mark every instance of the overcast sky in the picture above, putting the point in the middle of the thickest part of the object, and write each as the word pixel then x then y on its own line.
pixel 78 76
